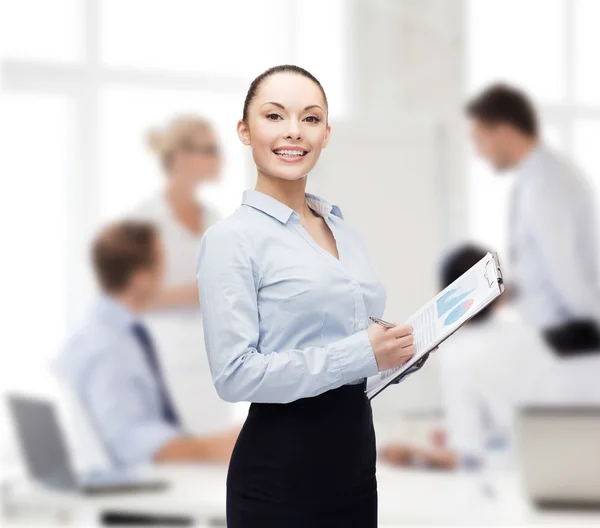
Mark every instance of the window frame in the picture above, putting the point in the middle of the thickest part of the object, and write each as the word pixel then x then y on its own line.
pixel 561 115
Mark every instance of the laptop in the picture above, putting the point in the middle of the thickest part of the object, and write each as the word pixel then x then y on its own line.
pixel 559 451
pixel 47 459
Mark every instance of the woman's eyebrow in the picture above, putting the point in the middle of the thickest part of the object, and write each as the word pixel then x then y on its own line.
pixel 279 105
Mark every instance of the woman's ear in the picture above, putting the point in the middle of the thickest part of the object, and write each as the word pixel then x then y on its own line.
pixel 243 132
pixel 327 134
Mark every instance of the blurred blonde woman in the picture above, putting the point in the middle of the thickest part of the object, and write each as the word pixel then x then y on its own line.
pixel 190 156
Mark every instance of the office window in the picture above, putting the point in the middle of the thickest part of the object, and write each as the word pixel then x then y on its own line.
pixel 488 198
pixel 586 44
pixel 325 57
pixel 82 81
pixel 547 48
pixel 35 203
pixel 227 37
pixel 42 31
pixel 519 41
pixel 587 135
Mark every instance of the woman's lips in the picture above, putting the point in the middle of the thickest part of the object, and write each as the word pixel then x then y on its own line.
pixel 290 155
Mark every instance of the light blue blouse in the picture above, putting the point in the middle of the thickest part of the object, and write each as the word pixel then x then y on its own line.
pixel 283 318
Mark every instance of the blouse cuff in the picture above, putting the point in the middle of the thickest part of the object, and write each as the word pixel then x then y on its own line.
pixel 354 358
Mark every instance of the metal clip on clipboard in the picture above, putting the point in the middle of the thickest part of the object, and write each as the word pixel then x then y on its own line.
pixel 496 264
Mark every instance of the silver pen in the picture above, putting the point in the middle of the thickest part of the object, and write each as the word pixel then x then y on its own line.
pixel 382 322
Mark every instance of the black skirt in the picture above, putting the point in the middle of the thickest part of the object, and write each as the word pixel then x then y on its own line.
pixel 309 463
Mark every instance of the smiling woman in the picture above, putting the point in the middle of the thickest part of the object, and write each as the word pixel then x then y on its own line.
pixel 285 122
pixel 286 291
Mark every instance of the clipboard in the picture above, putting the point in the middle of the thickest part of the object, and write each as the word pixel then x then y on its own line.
pixel 491 271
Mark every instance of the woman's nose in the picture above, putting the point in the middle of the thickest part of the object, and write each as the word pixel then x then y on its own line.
pixel 293 131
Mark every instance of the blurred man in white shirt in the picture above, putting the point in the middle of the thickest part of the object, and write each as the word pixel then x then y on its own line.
pixel 553 239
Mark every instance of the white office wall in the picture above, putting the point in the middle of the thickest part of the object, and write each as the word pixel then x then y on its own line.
pixel 408 66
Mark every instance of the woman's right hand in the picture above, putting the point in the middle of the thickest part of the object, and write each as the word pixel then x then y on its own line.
pixel 392 346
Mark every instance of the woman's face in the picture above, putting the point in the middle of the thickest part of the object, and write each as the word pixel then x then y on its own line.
pixel 286 126
pixel 199 160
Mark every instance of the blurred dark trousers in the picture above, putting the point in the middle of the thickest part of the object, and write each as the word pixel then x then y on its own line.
pixel 574 338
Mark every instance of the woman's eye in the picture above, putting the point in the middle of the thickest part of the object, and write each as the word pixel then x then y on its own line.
pixel 312 119
pixel 273 117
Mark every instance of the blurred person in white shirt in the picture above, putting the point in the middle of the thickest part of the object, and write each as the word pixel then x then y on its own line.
pixel 553 236
pixel 190 157
pixel 495 364
pixel 189 153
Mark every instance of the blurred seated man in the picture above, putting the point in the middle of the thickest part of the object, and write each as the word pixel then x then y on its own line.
pixel 113 366
pixel 487 369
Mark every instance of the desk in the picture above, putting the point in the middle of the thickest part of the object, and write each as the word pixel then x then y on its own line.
pixel 406 498
pixel 195 490
pixel 415 498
